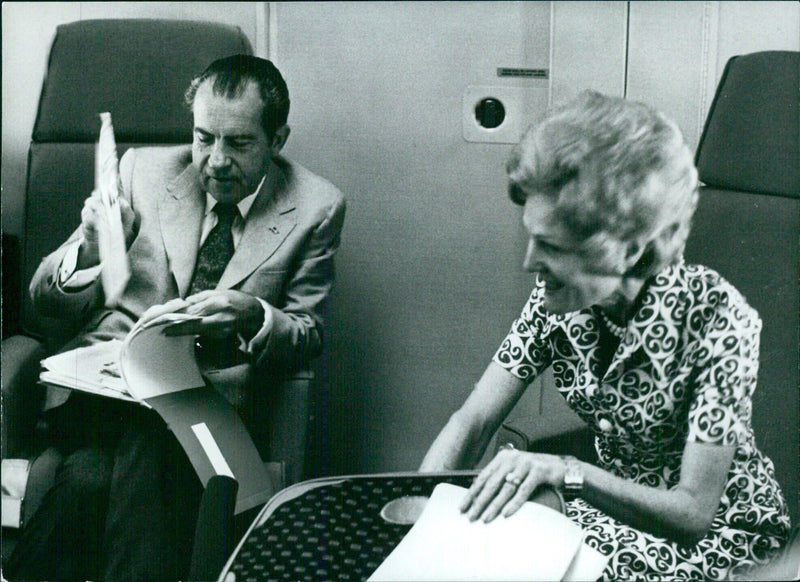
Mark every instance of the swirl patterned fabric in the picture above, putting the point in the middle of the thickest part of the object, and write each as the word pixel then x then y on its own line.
pixel 684 371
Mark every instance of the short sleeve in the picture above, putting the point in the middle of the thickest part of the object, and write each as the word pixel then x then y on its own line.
pixel 525 351
pixel 727 357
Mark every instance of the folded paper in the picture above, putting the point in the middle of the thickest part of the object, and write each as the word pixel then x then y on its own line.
pixel 113 252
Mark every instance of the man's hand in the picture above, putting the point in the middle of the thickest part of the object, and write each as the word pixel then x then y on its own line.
pixel 224 313
pixel 92 220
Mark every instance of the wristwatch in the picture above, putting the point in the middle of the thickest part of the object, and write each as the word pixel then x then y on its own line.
pixel 573 478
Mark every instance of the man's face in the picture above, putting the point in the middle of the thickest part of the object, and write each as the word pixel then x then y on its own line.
pixel 230 149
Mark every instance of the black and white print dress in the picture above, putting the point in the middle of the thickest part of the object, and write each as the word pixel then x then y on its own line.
pixel 685 370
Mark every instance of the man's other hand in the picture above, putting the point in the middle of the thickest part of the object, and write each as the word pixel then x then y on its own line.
pixel 224 313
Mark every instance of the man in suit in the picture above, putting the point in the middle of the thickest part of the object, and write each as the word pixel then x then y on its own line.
pixel 228 230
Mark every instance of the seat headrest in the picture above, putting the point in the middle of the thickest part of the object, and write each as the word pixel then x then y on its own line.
pixel 751 139
pixel 138 69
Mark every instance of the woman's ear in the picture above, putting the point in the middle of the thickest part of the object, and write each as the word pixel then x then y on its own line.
pixel 633 252
pixel 640 257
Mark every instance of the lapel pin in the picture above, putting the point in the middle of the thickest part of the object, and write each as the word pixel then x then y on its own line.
pixel 273 229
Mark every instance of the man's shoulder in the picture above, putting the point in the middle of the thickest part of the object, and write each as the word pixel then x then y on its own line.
pixel 164 160
pixel 306 185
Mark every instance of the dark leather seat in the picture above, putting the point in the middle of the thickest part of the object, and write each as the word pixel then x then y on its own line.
pixel 747 227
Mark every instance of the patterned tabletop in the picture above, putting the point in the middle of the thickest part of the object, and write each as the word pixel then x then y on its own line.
pixel 329 529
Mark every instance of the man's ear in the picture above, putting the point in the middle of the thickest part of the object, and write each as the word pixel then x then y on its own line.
pixel 279 139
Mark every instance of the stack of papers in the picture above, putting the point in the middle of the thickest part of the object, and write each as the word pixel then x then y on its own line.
pixel 536 543
pixel 147 363
pixel 152 363
pixel 90 369
pixel 159 370
pixel 113 253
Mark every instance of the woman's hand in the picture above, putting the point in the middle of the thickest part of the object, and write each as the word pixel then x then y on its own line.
pixel 508 481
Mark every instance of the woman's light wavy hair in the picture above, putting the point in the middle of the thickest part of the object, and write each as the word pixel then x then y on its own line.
pixel 619 172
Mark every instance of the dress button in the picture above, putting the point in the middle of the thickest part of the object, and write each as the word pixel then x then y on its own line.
pixel 605 425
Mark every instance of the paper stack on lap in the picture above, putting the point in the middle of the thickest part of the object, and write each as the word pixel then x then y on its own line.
pixel 158 369
pixel 90 369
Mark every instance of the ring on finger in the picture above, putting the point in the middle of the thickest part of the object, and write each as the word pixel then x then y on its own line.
pixel 512 480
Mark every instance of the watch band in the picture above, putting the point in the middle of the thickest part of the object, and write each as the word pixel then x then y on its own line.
pixel 573 478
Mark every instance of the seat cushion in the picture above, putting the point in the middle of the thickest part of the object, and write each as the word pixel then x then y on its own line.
pixel 138 69
pixel 752 241
pixel 751 141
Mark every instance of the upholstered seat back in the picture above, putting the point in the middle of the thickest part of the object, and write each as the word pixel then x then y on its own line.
pixel 138 70
pixel 746 227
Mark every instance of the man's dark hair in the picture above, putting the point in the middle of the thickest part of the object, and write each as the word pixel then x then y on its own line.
pixel 230 77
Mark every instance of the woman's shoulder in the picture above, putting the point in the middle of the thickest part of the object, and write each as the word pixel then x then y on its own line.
pixel 705 287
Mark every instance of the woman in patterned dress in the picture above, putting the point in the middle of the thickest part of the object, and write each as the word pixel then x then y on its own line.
pixel 659 358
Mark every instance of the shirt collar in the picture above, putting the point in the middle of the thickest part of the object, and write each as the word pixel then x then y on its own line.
pixel 653 291
pixel 244 205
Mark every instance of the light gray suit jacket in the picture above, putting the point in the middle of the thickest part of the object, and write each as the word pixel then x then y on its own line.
pixel 285 256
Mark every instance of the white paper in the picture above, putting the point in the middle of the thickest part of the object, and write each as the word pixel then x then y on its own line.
pixel 146 363
pixel 113 254
pixel 14 476
pixel 92 369
pixel 536 543
pixel 11 511
pixel 15 481
pixel 211 448
pixel 587 566
pixel 152 364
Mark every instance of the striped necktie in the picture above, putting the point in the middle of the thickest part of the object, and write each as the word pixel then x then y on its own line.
pixel 216 251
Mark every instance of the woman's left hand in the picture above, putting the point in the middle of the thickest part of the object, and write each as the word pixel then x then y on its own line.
pixel 508 481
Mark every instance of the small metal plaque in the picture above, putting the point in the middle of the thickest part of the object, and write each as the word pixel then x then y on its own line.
pixel 527 73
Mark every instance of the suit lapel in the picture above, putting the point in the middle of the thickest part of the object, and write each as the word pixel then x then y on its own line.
pixel 270 220
pixel 181 215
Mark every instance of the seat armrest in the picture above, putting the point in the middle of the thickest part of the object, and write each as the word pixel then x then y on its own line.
pixel 22 396
pixel 215 537
pixel 280 423
pixel 12 292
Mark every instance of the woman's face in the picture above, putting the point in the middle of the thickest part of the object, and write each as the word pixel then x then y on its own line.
pixel 572 281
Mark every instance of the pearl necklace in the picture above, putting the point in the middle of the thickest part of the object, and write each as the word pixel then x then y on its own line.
pixel 615 329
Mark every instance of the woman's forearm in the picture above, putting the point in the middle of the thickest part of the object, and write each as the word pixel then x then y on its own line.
pixel 459 445
pixel 463 440
pixel 683 513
